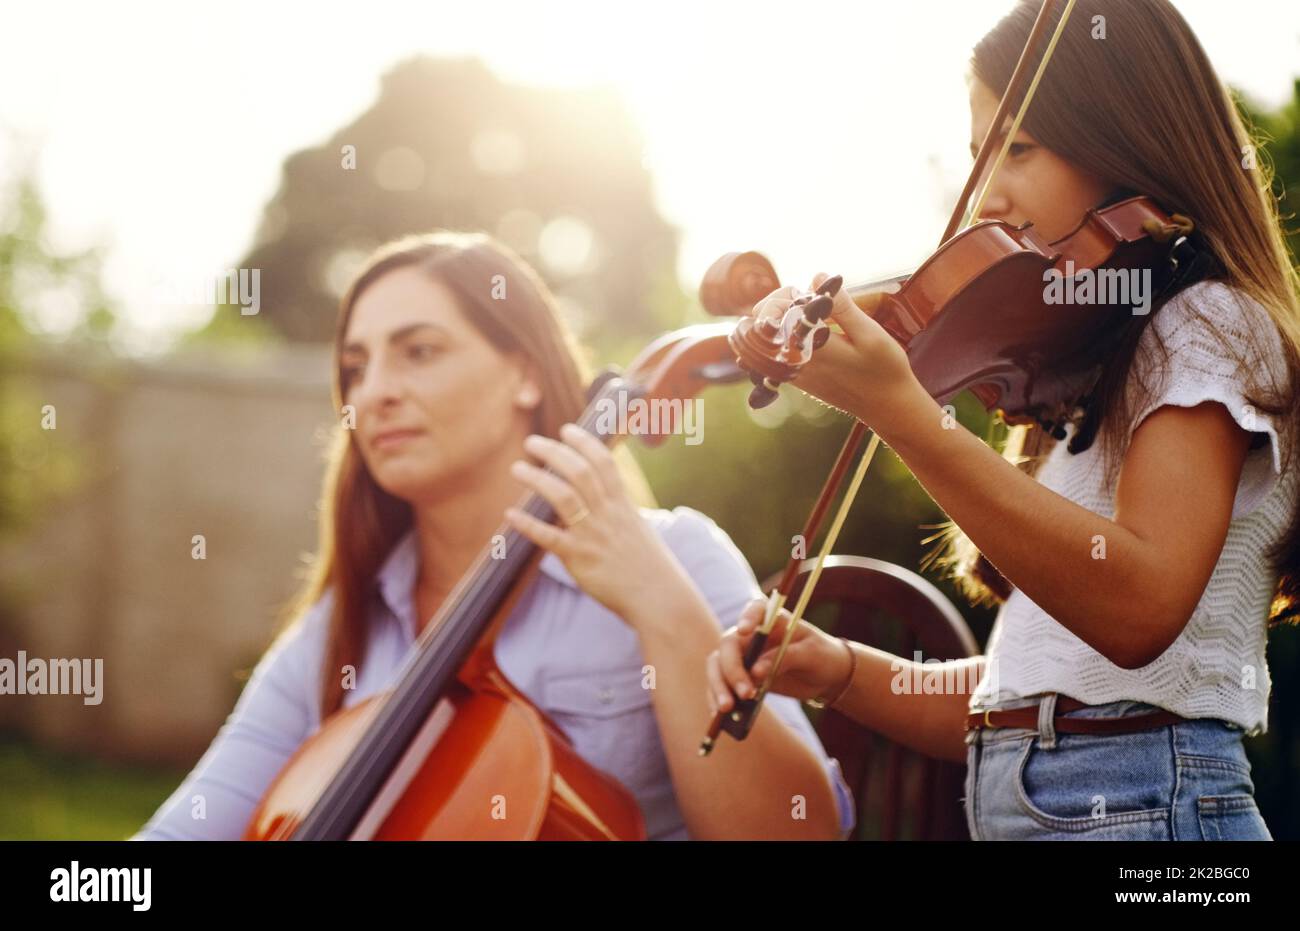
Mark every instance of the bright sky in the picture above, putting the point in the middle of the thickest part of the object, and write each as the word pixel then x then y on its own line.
pixel 162 126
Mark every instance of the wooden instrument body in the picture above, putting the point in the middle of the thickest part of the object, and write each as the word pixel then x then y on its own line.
pixel 975 315
pixel 488 765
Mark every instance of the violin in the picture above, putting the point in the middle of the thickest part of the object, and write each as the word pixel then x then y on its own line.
pixel 974 316
pixel 436 756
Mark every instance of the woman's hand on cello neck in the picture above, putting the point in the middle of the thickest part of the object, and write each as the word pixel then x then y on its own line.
pixel 619 559
pixel 613 554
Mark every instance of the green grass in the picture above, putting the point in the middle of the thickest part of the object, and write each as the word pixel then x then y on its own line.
pixel 46 795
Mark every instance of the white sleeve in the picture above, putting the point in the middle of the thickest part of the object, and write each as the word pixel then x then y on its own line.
pixel 727 582
pixel 276 711
pixel 1210 342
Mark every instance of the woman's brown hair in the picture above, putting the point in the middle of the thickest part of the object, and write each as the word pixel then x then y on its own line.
pixel 359 522
pixel 1130 96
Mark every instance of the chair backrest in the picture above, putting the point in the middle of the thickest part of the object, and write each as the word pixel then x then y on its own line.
pixel 900 794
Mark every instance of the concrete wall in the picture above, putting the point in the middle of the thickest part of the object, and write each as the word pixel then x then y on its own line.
pixel 229 446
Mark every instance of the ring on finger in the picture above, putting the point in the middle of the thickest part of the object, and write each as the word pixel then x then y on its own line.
pixel 581 515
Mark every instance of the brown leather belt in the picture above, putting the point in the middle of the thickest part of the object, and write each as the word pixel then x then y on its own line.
pixel 1028 717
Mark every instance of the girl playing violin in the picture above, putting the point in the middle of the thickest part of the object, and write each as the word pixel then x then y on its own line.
pixel 451 353
pixel 1141 560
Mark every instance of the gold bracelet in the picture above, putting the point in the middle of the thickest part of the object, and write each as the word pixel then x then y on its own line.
pixel 853 668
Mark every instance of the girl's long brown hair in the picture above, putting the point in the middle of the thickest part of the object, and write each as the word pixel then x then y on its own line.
pixel 359 522
pixel 1130 96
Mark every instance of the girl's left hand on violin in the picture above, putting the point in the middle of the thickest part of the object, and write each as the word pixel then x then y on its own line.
pixel 602 539
pixel 862 370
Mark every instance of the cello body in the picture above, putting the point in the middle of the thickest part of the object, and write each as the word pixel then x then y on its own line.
pixel 488 765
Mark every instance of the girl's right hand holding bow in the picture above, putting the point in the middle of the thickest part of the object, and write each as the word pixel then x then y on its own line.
pixel 815 666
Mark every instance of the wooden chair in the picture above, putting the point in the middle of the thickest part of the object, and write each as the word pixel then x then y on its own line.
pixel 900 794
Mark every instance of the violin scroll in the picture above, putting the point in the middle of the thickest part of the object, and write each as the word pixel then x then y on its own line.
pixel 773 352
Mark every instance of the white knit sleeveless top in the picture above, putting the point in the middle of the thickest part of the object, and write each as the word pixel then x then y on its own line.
pixel 1216 668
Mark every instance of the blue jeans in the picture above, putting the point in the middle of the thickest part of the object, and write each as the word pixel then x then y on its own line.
pixel 1184 781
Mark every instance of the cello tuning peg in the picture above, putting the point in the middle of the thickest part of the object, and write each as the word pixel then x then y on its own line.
pixel 603 378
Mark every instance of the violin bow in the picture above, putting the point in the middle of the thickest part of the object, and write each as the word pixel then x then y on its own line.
pixel 816 307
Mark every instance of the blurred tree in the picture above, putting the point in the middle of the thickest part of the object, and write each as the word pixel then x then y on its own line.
pixel 556 174
pixel 1279 132
pixel 37 280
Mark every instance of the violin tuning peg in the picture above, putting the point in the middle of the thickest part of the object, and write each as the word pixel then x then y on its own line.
pixel 820 336
pixel 819 308
pixel 761 397
pixel 831 286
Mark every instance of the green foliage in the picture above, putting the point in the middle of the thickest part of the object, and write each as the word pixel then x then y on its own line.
pixel 34 465
pixel 1279 132
pixel 54 796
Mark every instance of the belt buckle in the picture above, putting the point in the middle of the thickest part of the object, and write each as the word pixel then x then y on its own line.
pixel 977 725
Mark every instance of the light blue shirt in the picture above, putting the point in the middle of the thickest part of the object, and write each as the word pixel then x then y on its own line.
pixel 573 658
